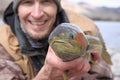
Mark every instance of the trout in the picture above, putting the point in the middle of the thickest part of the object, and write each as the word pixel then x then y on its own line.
pixel 68 42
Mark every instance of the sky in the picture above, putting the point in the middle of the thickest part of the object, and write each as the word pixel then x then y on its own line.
pixel 107 3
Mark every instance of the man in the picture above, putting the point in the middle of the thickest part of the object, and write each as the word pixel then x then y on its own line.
pixel 25 53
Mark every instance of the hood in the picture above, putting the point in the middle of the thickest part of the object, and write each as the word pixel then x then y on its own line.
pixel 8 16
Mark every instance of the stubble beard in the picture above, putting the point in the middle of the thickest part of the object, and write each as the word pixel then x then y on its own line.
pixel 39 36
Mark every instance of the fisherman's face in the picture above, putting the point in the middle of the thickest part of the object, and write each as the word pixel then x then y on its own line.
pixel 37 17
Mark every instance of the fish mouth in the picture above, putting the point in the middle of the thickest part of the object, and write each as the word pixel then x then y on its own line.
pixel 64 43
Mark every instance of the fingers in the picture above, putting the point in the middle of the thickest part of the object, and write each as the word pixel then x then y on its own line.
pixel 75 68
pixel 75 74
pixel 55 61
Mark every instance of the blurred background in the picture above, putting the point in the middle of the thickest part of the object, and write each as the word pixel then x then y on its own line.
pixel 105 14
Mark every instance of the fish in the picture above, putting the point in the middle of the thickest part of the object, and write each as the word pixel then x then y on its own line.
pixel 68 41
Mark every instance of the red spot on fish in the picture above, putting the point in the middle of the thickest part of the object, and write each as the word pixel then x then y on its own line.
pixel 80 37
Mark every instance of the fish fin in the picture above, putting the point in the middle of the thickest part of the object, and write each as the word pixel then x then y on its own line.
pixel 107 58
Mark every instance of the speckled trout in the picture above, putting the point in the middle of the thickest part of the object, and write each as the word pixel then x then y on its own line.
pixel 69 42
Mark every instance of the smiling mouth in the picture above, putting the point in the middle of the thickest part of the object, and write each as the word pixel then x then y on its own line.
pixel 38 23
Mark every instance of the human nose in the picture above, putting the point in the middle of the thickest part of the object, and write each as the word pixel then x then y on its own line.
pixel 37 11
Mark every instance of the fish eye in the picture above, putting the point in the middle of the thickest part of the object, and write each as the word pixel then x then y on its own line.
pixel 71 36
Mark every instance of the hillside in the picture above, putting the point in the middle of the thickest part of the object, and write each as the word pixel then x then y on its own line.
pixel 101 13
pixel 93 12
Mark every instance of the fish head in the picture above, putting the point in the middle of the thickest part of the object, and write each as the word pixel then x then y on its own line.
pixel 68 41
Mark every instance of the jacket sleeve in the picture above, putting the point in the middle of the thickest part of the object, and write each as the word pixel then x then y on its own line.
pixel 9 70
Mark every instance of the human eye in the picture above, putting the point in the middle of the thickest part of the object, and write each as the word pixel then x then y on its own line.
pixel 45 0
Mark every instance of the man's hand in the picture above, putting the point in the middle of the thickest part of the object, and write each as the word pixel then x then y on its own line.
pixel 54 68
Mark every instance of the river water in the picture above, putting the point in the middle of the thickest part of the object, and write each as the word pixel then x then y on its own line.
pixel 111 35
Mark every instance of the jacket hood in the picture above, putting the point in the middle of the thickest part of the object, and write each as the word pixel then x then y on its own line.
pixel 8 16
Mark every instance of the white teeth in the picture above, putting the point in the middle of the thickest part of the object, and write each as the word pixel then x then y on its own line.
pixel 38 23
